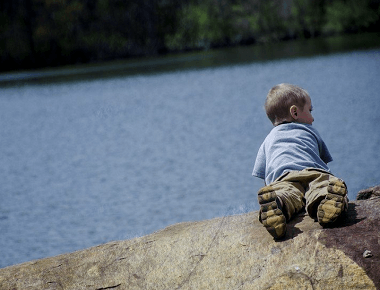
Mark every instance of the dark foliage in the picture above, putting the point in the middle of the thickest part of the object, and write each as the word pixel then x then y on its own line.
pixel 40 33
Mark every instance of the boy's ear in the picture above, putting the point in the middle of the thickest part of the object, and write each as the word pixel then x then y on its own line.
pixel 294 112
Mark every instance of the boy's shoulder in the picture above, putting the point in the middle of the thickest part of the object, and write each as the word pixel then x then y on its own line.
pixel 293 131
pixel 292 126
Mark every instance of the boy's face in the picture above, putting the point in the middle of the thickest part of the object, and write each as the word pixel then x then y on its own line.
pixel 304 115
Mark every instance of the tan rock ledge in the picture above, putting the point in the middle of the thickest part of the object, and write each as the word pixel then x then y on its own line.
pixel 232 252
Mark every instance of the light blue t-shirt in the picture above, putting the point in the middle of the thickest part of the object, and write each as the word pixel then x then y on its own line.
pixel 289 147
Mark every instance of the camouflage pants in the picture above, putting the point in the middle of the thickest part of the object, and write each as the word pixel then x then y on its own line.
pixel 305 189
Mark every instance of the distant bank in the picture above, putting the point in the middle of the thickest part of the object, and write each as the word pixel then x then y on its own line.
pixel 37 34
pixel 197 59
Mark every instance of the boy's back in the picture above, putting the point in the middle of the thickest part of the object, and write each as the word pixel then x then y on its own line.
pixel 290 147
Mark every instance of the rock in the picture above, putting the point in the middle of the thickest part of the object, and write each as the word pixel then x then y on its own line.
pixel 367 254
pixel 369 192
pixel 232 252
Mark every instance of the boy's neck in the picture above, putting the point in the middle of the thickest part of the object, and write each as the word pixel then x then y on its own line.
pixel 288 122
pixel 284 122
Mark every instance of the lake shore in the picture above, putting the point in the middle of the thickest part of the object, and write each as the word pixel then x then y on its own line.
pixel 197 59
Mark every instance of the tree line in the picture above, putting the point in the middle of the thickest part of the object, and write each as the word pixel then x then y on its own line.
pixel 40 33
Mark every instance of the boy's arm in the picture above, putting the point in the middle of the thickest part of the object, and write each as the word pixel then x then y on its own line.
pixel 260 164
pixel 324 153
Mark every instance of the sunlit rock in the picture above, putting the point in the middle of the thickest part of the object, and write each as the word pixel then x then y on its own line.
pixel 232 252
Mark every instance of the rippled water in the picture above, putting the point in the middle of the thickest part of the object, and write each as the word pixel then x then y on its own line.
pixel 91 161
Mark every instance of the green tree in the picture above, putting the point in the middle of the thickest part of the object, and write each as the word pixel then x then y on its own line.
pixel 351 15
pixel 38 33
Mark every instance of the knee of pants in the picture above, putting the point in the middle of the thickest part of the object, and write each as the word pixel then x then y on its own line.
pixel 292 196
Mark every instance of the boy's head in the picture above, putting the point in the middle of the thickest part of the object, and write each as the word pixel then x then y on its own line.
pixel 288 103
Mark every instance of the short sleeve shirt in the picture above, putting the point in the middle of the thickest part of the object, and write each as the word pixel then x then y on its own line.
pixel 289 147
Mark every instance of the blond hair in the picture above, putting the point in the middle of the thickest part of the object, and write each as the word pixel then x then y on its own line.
pixel 279 100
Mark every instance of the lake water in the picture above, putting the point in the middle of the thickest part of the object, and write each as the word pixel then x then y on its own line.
pixel 88 161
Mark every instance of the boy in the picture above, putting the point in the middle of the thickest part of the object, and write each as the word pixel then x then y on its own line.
pixel 293 162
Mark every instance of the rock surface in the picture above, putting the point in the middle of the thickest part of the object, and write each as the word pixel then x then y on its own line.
pixel 369 192
pixel 232 252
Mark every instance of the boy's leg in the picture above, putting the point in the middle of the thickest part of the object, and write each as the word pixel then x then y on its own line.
pixel 326 198
pixel 292 195
pixel 278 203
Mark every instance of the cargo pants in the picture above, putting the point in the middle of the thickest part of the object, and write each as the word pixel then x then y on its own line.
pixel 305 189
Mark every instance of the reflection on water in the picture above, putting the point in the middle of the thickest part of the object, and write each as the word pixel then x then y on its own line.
pixel 92 161
pixel 202 59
